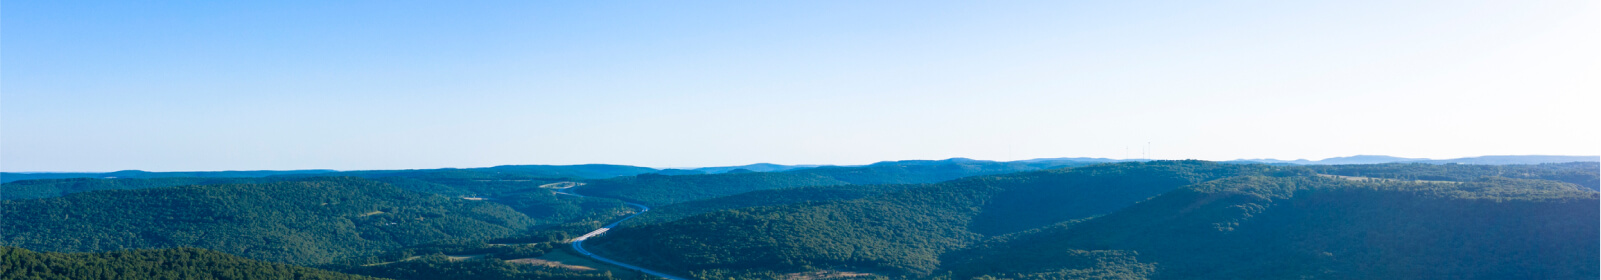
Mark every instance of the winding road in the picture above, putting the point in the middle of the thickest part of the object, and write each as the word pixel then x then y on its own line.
pixel 578 243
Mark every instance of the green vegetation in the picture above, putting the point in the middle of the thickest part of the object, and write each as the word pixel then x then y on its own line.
pixel 1206 220
pixel 759 167
pixel 505 172
pixel 177 263
pixel 903 232
pixel 441 266
pixel 585 171
pixel 654 189
pixel 42 188
pixel 761 198
pixel 1584 174
pixel 657 189
pixel 11 176
pixel 301 222
pixel 1254 227
pixel 1132 220
pixel 499 258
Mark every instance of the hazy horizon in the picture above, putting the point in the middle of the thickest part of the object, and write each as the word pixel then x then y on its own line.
pixel 368 85
pixel 753 163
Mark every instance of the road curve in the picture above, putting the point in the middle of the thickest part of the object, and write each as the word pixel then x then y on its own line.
pixel 578 243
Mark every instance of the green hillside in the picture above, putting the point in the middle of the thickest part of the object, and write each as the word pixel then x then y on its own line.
pixel 473 259
pixel 505 172
pixel 657 189
pixel 677 211
pixel 300 222
pixel 178 263
pixel 1584 174
pixel 903 232
pixel 584 171
pixel 18 176
pixel 1256 227
pixel 1206 220
pixel 42 188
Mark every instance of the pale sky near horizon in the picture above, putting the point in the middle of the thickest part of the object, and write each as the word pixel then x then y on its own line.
pixel 230 85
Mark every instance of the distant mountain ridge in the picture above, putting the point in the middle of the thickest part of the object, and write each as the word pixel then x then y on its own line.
pixel 602 171
pixel 17 176
pixel 1377 159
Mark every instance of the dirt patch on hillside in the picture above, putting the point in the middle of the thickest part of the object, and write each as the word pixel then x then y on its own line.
pixel 826 274
pixel 548 263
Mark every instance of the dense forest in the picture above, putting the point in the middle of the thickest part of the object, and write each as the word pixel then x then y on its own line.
pixel 176 263
pixel 947 219
pixel 1256 227
pixel 300 222
pixel 656 189
pixel 585 171
pixel 902 232
pixel 354 223
pixel 1207 220
pixel 15 176
pixel 505 172
pixel 1584 174
pixel 42 188
pixel 520 257
pixel 677 211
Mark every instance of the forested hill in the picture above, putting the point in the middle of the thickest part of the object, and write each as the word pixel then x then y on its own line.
pixel 1483 160
pixel 1211 220
pixel 301 222
pixel 677 211
pixel 656 189
pixel 568 172
pixel 903 232
pixel 178 263
pixel 584 171
pixel 42 188
pixel 1584 174
pixel 1257 227
pixel 14 176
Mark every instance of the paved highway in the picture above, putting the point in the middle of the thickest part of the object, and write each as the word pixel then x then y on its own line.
pixel 578 243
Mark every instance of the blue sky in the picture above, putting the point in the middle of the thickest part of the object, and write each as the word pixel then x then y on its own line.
pixel 229 85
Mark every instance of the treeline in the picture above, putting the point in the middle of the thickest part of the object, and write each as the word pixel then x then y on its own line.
pixel 656 189
pixel 775 197
pixel 342 223
pixel 584 171
pixel 440 266
pixel 43 188
pixel 903 232
pixel 177 263
pixel 1255 227
pixel 8 177
pixel 1584 174
pixel 1206 221
pixel 499 258
pixel 301 222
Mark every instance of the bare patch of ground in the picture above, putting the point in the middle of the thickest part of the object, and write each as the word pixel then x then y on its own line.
pixel 548 263
pixel 1358 178
pixel 462 257
pixel 569 258
pixel 826 274
pixel 560 185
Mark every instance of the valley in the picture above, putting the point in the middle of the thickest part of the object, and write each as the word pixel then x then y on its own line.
pixel 951 219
